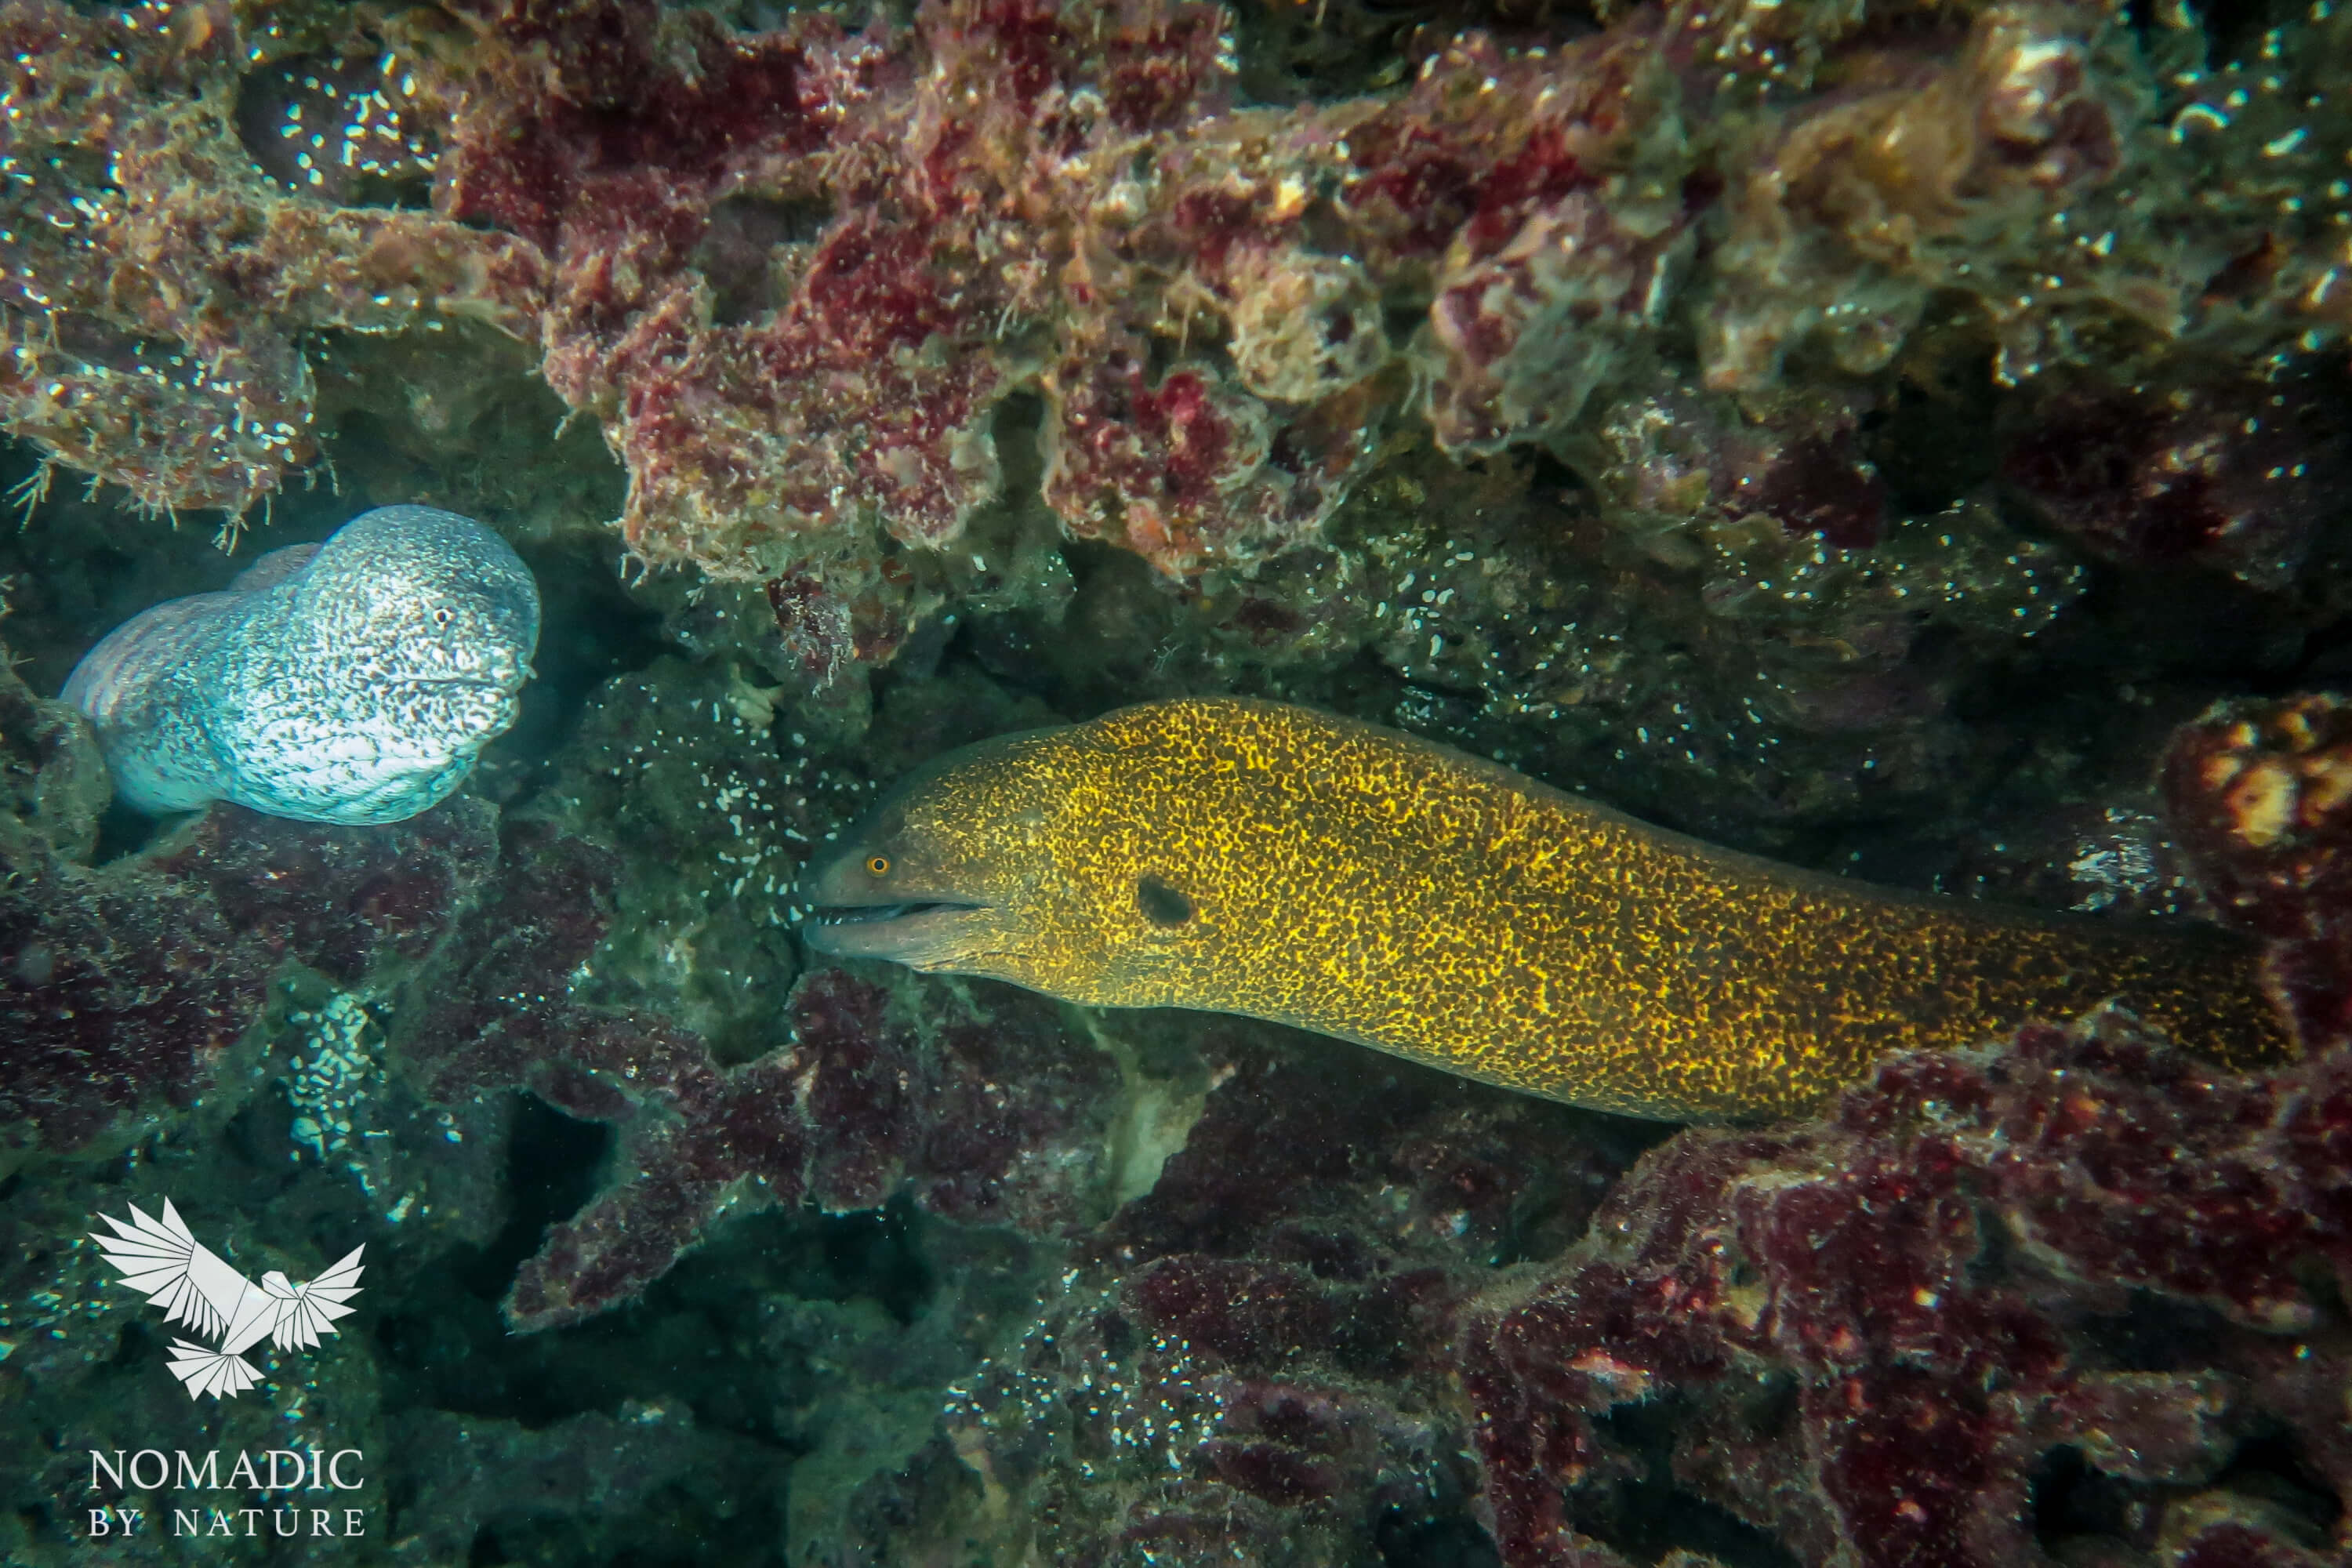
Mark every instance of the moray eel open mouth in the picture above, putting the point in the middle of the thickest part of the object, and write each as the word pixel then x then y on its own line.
pixel 913 934
pixel 867 902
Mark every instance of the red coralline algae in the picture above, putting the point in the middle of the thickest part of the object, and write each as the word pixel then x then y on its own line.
pixel 2237 477
pixel 987 1116
pixel 491 1017
pixel 2074 1296
pixel 2244 1537
pixel 1527 334
pixel 1668 457
pixel 2257 792
pixel 1014 1116
pixel 1264 1369
pixel 1573 236
pixel 796 274
pixel 863 385
pixel 735 1143
pixel 116 1001
pixel 1276 1165
pixel 158 280
pixel 126 989
pixel 353 904
pixel 1929 1372
pixel 993 1116
pixel 1188 471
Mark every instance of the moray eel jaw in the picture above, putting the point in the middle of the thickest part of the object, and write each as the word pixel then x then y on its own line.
pixel 925 936
pixel 924 880
pixel 904 921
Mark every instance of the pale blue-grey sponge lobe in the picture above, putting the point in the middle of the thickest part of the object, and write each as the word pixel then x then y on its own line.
pixel 352 682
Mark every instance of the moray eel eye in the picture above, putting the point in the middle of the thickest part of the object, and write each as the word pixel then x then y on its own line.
pixel 1161 904
pixel 878 864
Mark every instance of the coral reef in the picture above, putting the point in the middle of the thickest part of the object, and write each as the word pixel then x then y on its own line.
pixel 803 276
pixel 1192 1286
pixel 712 800
pixel 2070 1295
pixel 2039 1297
pixel 2258 790
pixel 1870 435
pixel 509 1487
pixel 2199 470
pixel 857 1104
pixel 1256 1366
pixel 158 280
pixel 139 990
pixel 67 1327
pixel 1880 1335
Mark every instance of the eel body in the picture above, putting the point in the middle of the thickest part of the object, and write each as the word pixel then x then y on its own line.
pixel 1285 864
pixel 352 682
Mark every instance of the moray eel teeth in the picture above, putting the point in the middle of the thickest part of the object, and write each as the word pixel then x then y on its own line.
pixel 926 934
pixel 1280 863
pixel 936 913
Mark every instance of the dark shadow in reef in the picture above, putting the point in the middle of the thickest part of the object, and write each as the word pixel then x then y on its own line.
pixel 122 831
pixel 551 1165
pixel 1454 1541
pixel 1288 53
pixel 591 631
pixel 698 1334
pixel 1645 1516
pixel 2070 1501
pixel 2234 28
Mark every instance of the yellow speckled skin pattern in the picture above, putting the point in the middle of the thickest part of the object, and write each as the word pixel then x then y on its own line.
pixel 1357 882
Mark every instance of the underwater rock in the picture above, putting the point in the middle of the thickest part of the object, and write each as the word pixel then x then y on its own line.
pixel 806 280
pixel 2113 857
pixel 494 1017
pixel 2021 171
pixel 987 1118
pixel 165 281
pixel 1669 457
pixel 871 324
pixel 995 1114
pixel 1877 1331
pixel 2070 1293
pixel 131 991
pixel 710 795
pixel 593 1488
pixel 986 1111
pixel 2232 474
pixel 51 772
pixel 1256 1361
pixel 1932 175
pixel 2258 792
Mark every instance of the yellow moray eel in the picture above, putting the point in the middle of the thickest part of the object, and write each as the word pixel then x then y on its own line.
pixel 1285 864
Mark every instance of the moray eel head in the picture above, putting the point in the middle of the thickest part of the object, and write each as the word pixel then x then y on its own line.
pixel 967 867
pixel 423 600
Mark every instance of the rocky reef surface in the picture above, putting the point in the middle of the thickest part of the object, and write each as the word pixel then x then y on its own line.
pixel 1912 440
